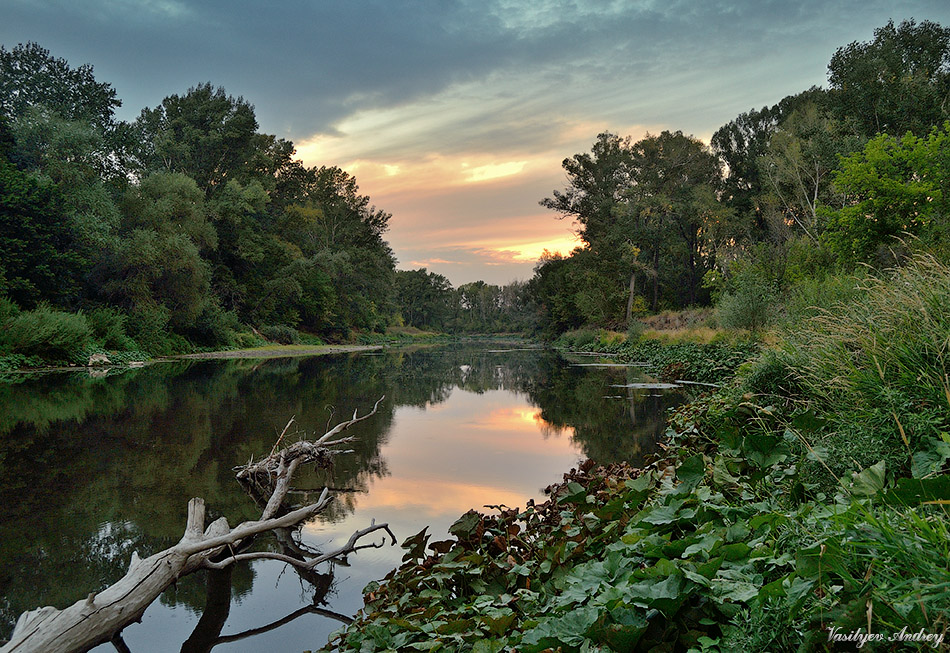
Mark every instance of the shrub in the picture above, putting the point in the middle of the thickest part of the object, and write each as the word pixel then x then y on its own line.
pixel 55 336
pixel 807 297
pixel 148 326
pixel 8 309
pixel 280 333
pixel 749 304
pixel 771 374
pixel 577 339
pixel 247 340
pixel 108 329
pixel 882 356
pixel 214 327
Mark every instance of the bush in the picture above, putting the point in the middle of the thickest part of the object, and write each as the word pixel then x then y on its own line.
pixel 247 340
pixel 280 333
pixel 882 355
pixel 770 374
pixel 749 304
pixel 8 309
pixel 108 329
pixel 635 330
pixel 577 339
pixel 807 297
pixel 214 327
pixel 148 326
pixel 56 337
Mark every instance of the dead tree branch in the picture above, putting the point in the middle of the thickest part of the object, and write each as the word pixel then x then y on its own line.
pixel 101 616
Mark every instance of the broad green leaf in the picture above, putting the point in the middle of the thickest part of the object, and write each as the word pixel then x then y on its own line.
pixel 691 471
pixel 914 491
pixel 868 482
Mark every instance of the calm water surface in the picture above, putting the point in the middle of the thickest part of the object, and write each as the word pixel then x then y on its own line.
pixel 92 469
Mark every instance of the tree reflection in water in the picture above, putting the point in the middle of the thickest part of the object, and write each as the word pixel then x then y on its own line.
pixel 92 469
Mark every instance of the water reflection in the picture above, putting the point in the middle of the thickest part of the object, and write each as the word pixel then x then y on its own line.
pixel 92 469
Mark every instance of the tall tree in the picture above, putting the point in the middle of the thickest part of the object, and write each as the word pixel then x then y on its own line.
pixel 740 144
pixel 424 298
pixel 30 77
pixel 596 183
pixel 675 179
pixel 205 134
pixel 38 259
pixel 798 165
pixel 896 83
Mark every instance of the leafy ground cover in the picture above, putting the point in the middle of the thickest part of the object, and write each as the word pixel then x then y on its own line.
pixel 711 362
pixel 716 554
pixel 803 506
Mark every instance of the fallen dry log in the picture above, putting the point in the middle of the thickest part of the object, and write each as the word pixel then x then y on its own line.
pixel 102 615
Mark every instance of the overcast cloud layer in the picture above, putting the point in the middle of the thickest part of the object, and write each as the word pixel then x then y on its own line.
pixel 454 116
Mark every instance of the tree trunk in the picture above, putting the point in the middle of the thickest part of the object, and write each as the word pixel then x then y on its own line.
pixel 631 292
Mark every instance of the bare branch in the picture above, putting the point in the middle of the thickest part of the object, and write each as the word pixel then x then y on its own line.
pixel 101 616
pixel 350 547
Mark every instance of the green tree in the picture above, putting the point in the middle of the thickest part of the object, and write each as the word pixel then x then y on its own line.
pixel 898 82
pixel 38 251
pixel 798 166
pixel 205 134
pixel 424 298
pixel 672 197
pixel 31 77
pixel 596 183
pixel 740 144
pixel 170 203
pixel 152 269
pixel 894 187
pixel 554 289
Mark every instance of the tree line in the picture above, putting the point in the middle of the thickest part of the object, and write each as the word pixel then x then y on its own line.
pixel 821 182
pixel 188 227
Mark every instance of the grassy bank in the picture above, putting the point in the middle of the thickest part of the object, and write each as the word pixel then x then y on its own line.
pixel 801 507
pixel 669 354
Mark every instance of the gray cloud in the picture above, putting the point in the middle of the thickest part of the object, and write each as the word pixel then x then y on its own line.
pixel 307 64
pixel 519 74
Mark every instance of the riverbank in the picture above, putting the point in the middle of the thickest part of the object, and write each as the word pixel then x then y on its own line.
pixel 276 351
pixel 802 506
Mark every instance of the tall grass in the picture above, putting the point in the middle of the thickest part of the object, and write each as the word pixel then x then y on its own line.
pixel 878 363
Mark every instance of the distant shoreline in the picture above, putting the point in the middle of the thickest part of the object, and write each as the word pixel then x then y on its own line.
pixel 269 351
pixel 275 351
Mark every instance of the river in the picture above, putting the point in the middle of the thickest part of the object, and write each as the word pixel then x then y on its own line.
pixel 94 467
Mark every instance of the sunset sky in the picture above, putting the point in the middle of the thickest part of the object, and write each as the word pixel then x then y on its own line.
pixel 454 116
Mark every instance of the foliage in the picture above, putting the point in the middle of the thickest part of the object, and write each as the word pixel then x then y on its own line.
pixel 30 76
pixel 878 362
pixel 204 134
pixel 189 221
pixel 279 333
pixel 148 327
pixel 705 557
pixel 424 298
pixel 896 187
pixel 749 303
pixel 54 336
pixel 689 361
pixel 108 328
pixel 896 83
pixel 38 257
pixel 579 339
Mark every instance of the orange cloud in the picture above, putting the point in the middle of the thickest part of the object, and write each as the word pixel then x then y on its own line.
pixel 532 251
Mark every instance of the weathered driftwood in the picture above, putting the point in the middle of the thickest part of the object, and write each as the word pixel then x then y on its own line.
pixel 101 616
